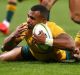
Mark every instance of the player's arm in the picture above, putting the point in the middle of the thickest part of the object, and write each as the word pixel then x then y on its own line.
pixel 15 38
pixel 64 41
pixel 74 6
pixel 48 3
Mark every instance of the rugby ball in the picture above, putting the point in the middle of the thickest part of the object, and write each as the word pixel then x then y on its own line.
pixel 46 30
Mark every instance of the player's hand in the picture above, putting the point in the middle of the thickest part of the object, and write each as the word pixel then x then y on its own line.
pixel 40 38
pixel 20 29
pixel 77 53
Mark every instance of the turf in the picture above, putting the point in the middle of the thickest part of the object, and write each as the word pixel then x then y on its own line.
pixel 59 14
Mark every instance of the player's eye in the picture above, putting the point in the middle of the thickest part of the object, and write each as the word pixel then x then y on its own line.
pixel 31 17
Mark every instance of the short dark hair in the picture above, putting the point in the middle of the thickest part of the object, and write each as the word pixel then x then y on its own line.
pixel 43 10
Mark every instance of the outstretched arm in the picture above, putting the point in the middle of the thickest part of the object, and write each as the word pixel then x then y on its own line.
pixel 62 41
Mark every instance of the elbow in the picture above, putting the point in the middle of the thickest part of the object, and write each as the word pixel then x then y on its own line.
pixel 70 46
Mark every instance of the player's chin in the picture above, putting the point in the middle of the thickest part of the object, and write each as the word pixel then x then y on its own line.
pixel 75 19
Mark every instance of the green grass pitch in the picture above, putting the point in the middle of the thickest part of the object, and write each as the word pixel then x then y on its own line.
pixel 59 14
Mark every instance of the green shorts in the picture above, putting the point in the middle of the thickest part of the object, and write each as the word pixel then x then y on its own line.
pixel 68 55
pixel 26 54
pixel 69 58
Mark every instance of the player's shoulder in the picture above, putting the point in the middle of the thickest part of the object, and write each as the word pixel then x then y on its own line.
pixel 52 24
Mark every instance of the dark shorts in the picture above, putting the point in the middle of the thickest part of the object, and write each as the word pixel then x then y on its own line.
pixel 68 55
pixel 26 54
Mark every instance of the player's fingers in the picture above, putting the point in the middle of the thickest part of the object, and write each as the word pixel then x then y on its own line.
pixel 24 30
pixel 77 56
pixel 23 26
pixel 34 39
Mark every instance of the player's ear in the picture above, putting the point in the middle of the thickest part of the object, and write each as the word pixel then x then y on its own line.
pixel 44 20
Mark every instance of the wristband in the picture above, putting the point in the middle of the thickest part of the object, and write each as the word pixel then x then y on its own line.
pixel 49 42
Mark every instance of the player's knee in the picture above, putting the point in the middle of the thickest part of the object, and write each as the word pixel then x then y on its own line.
pixel 76 18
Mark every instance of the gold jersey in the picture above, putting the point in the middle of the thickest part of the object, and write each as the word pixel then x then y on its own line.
pixel 52 53
pixel 77 38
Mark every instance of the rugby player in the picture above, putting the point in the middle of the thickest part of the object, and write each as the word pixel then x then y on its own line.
pixel 59 45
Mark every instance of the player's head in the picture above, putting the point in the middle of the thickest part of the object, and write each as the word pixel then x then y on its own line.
pixel 43 11
pixel 37 14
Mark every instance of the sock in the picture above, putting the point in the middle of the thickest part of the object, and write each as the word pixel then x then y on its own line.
pixel 11 7
pixel 6 23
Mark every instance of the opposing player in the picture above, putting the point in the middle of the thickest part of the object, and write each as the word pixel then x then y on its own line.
pixel 74 6
pixel 61 40
pixel 11 7
pixel 48 4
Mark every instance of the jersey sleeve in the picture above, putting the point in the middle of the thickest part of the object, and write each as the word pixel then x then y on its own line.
pixel 55 29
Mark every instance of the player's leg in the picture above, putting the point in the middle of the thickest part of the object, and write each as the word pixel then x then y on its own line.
pixel 18 53
pixel 74 6
pixel 11 7
pixel 14 54
pixel 48 4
